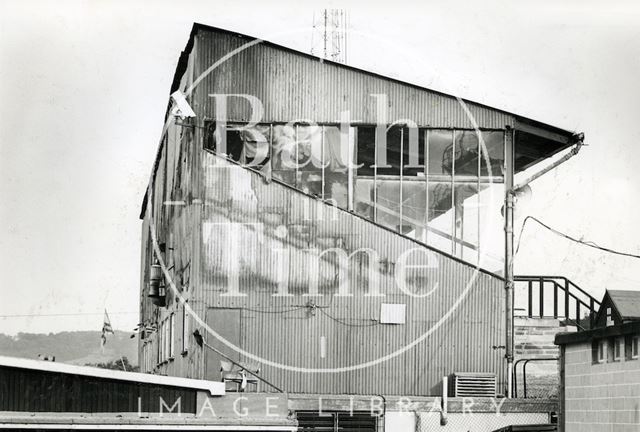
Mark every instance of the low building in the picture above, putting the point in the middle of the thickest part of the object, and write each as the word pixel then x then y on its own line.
pixel 600 369
pixel 47 396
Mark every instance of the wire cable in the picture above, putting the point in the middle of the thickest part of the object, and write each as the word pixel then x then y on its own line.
pixel 345 323
pixel 561 234
pixel 273 311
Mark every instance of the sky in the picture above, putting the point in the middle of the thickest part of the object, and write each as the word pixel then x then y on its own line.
pixel 84 86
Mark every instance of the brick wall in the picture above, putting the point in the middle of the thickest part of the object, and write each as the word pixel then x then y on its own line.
pixel 600 397
pixel 533 339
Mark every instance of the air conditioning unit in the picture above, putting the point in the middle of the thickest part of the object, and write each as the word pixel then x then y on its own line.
pixel 474 384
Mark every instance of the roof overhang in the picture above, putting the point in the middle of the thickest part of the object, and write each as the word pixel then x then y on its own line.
pixel 535 142
pixel 598 333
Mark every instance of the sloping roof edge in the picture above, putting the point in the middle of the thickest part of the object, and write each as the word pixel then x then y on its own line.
pixel 213 387
pixel 182 64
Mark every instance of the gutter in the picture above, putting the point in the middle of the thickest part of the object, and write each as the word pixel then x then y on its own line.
pixel 578 142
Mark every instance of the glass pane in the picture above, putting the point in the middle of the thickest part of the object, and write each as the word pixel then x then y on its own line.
pixel 234 145
pixel 309 151
pixel 309 159
pixel 440 152
pixel 336 157
pixel 364 198
pixel 414 208
pixel 466 221
pixel 366 150
pixel 492 155
pixel 466 151
pixel 283 162
pixel 413 152
pixel 491 235
pixel 256 146
pixel 440 216
pixel 394 151
pixel 310 183
pixel 388 200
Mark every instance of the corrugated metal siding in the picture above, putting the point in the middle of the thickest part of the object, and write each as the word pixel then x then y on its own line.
pixel 176 212
pixel 39 391
pixel 280 329
pixel 293 86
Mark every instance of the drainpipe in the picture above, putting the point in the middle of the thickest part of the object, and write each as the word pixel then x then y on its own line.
pixel 445 402
pixel 510 189
pixel 578 141
pixel 508 247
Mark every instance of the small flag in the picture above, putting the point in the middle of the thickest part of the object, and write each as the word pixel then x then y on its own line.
pixel 106 328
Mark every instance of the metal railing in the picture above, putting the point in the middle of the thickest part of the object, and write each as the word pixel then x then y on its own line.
pixel 554 297
pixel 549 387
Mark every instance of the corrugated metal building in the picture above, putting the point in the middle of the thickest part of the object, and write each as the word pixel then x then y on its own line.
pixel 331 278
pixel 47 396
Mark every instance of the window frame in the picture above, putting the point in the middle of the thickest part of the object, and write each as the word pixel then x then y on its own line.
pixel 185 330
pixel 600 354
pixel 634 342
pixel 618 349
pixel 165 339
pixel 458 242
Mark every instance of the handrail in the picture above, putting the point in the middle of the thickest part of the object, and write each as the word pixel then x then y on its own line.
pixel 528 277
pixel 524 373
pixel 572 293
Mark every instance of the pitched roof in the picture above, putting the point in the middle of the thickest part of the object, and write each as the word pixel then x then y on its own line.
pixel 627 303
pixel 559 132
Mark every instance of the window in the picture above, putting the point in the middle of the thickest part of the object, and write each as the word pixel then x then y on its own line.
pixel 366 136
pixel 492 154
pixel 165 339
pixel 618 349
pixel 609 317
pixel 632 347
pixel 435 185
pixel 466 153
pixel 172 326
pixel 148 357
pixel 185 329
pixel 393 143
pixel 599 349
pixel 413 152
pixel 249 146
pixel 284 150
pixel 440 159
pixel 337 154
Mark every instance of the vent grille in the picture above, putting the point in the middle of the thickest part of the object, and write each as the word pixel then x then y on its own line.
pixel 470 384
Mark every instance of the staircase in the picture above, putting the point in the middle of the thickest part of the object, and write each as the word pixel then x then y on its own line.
pixel 554 297
pixel 543 307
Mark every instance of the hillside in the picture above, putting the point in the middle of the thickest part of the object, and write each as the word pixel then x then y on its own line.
pixel 79 347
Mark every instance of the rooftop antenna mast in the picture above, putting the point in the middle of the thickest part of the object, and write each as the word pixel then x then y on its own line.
pixel 329 37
